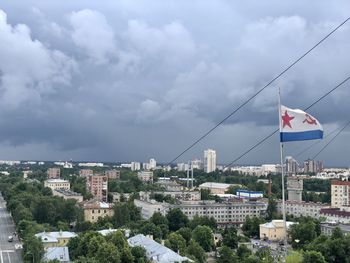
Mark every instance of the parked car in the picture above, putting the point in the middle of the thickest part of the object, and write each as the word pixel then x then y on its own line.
pixel 10 239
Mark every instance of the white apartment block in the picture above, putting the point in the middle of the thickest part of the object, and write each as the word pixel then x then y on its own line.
pixel 57 184
pixel 135 166
pixel 340 193
pixel 298 209
pixel 197 164
pixel 152 164
pixel 223 213
pixel 209 161
pixel 145 176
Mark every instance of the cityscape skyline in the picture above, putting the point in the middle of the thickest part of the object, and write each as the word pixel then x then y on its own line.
pixel 164 71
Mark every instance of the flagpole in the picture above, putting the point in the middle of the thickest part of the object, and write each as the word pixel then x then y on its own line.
pixel 282 172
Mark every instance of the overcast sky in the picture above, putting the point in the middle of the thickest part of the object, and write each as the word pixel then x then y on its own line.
pixel 131 80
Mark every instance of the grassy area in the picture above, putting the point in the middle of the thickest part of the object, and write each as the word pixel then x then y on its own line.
pixel 294 257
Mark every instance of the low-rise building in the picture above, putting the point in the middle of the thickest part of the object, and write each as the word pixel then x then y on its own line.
pixel 145 176
pixel 55 239
pixel 274 230
pixel 298 209
pixel 156 252
pixel 327 228
pixel 68 194
pixel 95 209
pixel 53 173
pixel 112 174
pixel 148 208
pixel 215 188
pixel 169 185
pixel 120 197
pixel 57 184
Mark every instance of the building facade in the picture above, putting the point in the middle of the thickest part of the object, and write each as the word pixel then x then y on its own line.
pixel 273 230
pixel 98 186
pixel 68 194
pixel 95 209
pixel 292 166
pixel 85 172
pixel 215 188
pixel 53 173
pixel 57 184
pixel 340 193
pixel 112 174
pixel 209 161
pixel 145 176
pixel 298 209
pixel 295 188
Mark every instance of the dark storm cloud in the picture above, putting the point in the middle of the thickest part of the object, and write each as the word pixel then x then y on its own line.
pixel 129 80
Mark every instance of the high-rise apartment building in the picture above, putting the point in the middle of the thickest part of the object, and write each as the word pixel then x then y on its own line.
pixel 197 164
pixel 152 164
pixel 98 186
pixel 135 166
pixel 112 174
pixel 53 173
pixel 292 166
pixel 209 161
pixel 340 193
pixel 312 166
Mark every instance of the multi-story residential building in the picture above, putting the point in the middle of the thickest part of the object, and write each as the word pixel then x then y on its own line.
pixel 91 164
pixel 215 188
pixel 327 228
pixel 98 186
pixel 312 166
pixel 145 176
pixel 223 213
pixel 112 174
pixel 182 167
pixel 152 164
pixel 68 194
pixel 178 195
pixel 340 193
pixel 209 161
pixel 292 166
pixel 335 215
pixel 55 239
pixel 135 166
pixel 57 184
pixel 95 209
pixel 85 172
pixel 298 209
pixel 120 197
pixel 53 173
pixel 197 164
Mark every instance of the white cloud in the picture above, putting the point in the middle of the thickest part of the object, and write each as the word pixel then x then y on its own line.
pixel 92 33
pixel 29 69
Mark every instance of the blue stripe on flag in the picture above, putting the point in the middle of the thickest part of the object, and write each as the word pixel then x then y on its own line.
pixel 301 136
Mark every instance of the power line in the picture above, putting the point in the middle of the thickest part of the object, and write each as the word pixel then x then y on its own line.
pixel 258 92
pixel 275 131
pixel 324 147
pixel 315 143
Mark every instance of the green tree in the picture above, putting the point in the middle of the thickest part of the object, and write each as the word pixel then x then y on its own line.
pixel 229 237
pixel 186 233
pixel 204 237
pixel 302 233
pixel 243 252
pixel 176 219
pixel 271 212
pixel 202 221
pixel 176 242
pixel 226 255
pixel 139 254
pixel 125 213
pixel 313 257
pixel 33 249
pixel 107 253
pixel 251 226
pixel 195 251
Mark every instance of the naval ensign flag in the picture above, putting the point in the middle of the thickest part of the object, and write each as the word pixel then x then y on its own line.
pixel 297 125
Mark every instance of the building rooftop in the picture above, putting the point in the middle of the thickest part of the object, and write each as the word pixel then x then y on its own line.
pixel 96 204
pixel 57 181
pixel 215 185
pixel 155 251
pixel 277 223
pixel 48 237
pixel 59 253
pixel 67 192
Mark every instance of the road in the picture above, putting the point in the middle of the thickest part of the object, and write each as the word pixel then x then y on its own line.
pixel 8 251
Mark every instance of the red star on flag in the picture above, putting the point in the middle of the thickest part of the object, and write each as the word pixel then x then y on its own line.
pixel 286 119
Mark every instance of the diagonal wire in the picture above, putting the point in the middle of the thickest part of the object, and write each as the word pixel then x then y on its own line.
pixel 315 143
pixel 324 147
pixel 258 92
pixel 275 131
